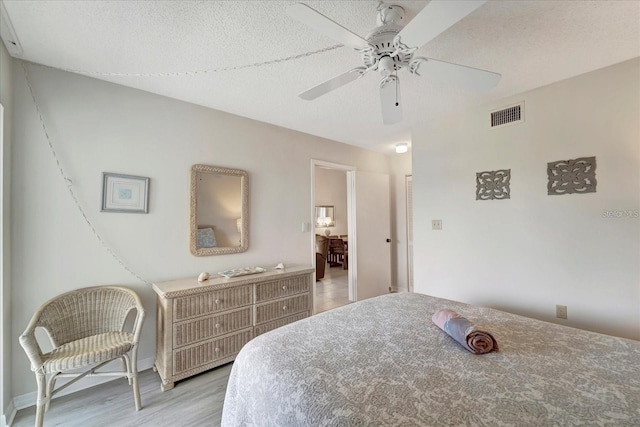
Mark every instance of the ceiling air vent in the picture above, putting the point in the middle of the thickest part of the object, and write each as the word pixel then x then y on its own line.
pixel 508 116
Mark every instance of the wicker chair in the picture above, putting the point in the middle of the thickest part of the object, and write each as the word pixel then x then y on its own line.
pixel 86 328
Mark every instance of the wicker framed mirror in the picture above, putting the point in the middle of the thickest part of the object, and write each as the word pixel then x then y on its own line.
pixel 219 214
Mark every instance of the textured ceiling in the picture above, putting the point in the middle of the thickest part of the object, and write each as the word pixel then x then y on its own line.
pixel 202 52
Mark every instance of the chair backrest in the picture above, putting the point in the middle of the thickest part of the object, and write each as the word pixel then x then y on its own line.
pixel 337 245
pixel 322 245
pixel 85 312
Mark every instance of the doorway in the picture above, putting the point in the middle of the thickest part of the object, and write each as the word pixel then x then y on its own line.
pixel 330 193
pixel 368 230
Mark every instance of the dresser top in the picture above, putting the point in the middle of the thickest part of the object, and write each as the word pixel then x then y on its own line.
pixel 190 285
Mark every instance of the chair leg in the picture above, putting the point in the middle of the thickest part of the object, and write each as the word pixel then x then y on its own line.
pixel 127 367
pixel 50 386
pixel 42 401
pixel 133 374
pixel 136 393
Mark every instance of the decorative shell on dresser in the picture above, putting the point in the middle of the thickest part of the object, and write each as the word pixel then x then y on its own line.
pixel 203 277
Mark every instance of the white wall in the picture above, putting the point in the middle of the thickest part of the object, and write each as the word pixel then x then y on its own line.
pixel 534 251
pixel 102 127
pixel 6 99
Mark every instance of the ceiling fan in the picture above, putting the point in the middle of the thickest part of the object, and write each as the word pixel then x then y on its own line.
pixel 391 47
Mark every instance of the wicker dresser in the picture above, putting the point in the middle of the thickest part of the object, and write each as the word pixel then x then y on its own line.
pixel 204 325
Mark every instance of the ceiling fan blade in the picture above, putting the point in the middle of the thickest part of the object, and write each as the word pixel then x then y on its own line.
pixel 326 26
pixel 436 17
pixel 390 100
pixel 454 74
pixel 331 84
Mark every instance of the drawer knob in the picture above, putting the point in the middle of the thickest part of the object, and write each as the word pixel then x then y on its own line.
pixel 217 350
pixel 284 288
pixel 284 308
pixel 217 325
pixel 217 300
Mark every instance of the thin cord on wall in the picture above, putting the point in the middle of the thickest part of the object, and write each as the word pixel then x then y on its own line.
pixel 194 73
pixel 68 181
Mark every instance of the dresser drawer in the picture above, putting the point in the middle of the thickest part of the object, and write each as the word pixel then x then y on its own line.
pixel 202 328
pixel 282 308
pixel 266 327
pixel 201 354
pixel 211 302
pixel 282 288
pixel 203 325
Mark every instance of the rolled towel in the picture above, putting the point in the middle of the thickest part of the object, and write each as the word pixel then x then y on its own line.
pixel 463 331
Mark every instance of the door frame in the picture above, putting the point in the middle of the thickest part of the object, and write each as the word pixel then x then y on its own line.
pixel 408 185
pixel 351 204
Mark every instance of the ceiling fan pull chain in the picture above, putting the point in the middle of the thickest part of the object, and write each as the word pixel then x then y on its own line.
pixel 397 103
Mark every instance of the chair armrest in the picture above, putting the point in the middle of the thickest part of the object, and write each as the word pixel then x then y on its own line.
pixel 139 321
pixel 30 344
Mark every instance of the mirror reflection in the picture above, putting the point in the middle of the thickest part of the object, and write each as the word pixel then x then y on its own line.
pixel 324 216
pixel 219 210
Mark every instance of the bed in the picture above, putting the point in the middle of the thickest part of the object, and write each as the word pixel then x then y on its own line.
pixel 383 362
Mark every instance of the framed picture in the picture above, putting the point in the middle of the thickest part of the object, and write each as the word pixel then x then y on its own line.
pixel 125 193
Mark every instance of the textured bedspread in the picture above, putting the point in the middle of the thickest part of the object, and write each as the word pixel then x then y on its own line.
pixel 382 362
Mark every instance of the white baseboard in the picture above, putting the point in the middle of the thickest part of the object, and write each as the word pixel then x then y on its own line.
pixel 29 399
pixel 9 414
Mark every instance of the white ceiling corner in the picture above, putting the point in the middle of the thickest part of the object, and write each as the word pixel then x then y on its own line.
pixel 201 52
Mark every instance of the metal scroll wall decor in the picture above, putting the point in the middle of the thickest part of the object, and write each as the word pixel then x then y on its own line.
pixel 493 185
pixel 572 176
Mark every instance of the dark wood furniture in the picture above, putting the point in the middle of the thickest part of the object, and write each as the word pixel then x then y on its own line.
pixel 322 252
pixel 338 252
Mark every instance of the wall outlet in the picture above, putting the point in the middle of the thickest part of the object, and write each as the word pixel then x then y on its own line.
pixel 436 224
pixel 561 311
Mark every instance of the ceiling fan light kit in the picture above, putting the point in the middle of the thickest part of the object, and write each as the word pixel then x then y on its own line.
pixel 390 47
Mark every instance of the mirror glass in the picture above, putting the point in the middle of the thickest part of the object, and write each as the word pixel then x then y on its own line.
pixel 324 216
pixel 219 210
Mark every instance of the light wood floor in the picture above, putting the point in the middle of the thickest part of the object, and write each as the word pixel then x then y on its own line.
pixel 333 290
pixel 196 401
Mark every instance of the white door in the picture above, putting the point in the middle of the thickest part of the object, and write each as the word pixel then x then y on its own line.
pixel 370 235
pixel 409 185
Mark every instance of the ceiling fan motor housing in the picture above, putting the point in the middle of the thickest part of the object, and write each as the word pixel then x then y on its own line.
pixel 381 41
pixel 390 14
